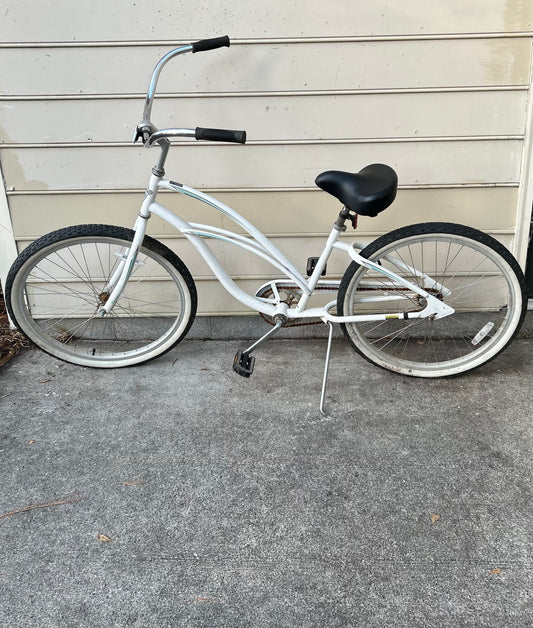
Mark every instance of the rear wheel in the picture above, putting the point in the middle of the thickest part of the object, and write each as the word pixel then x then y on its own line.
pixel 57 286
pixel 467 269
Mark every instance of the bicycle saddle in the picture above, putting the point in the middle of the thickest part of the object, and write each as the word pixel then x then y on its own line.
pixel 367 192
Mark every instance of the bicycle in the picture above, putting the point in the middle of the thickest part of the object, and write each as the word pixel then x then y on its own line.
pixel 426 300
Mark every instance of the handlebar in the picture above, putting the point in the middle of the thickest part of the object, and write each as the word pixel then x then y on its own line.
pixel 210 44
pixel 220 135
pixel 199 133
pixel 150 135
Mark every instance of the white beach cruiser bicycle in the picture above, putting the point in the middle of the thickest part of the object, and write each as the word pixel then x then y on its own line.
pixel 427 300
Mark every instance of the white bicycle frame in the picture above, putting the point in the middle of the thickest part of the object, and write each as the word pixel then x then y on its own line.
pixel 260 245
pixel 255 242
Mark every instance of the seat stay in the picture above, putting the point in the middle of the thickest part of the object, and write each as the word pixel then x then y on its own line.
pixel 428 281
pixel 435 307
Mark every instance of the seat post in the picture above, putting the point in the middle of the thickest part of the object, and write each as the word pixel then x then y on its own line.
pixel 344 214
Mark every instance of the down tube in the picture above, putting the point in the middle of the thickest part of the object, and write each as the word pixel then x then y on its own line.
pixel 212 261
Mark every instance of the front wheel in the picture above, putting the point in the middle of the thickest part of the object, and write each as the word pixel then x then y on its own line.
pixel 467 269
pixel 57 286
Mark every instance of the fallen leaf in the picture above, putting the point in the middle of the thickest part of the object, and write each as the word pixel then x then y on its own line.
pixel 434 518
pixel 30 442
pixel 495 572
pixel 103 538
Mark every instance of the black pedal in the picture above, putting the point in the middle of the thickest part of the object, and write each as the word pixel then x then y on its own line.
pixel 243 364
pixel 311 265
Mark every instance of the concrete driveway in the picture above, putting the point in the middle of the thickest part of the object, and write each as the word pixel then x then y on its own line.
pixel 178 494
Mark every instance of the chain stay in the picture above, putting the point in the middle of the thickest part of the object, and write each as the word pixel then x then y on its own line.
pixel 268 292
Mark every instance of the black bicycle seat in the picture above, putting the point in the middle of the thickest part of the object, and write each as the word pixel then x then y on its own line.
pixel 368 192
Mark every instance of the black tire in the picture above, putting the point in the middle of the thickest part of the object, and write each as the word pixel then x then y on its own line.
pixel 57 285
pixel 466 268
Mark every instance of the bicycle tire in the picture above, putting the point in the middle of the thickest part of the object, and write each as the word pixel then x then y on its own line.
pixel 486 288
pixel 56 287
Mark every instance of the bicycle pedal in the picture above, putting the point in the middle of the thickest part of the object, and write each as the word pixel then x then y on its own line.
pixel 243 363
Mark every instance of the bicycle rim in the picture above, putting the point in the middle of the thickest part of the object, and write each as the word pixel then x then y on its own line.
pixel 469 271
pixel 57 291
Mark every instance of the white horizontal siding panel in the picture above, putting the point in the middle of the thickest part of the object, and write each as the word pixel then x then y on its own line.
pixel 419 47
pixel 267 67
pixel 490 209
pixel 282 117
pixel 35 20
pixel 260 165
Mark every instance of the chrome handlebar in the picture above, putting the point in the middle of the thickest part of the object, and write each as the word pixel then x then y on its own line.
pixel 150 135
pixel 155 77
pixel 159 135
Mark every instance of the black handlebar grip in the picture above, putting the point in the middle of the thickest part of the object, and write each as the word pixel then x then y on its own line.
pixel 220 135
pixel 210 44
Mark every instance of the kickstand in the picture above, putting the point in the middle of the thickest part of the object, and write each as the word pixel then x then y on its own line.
pixel 326 369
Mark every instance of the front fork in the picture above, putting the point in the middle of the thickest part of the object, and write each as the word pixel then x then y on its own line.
pixel 118 281
pixel 120 277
